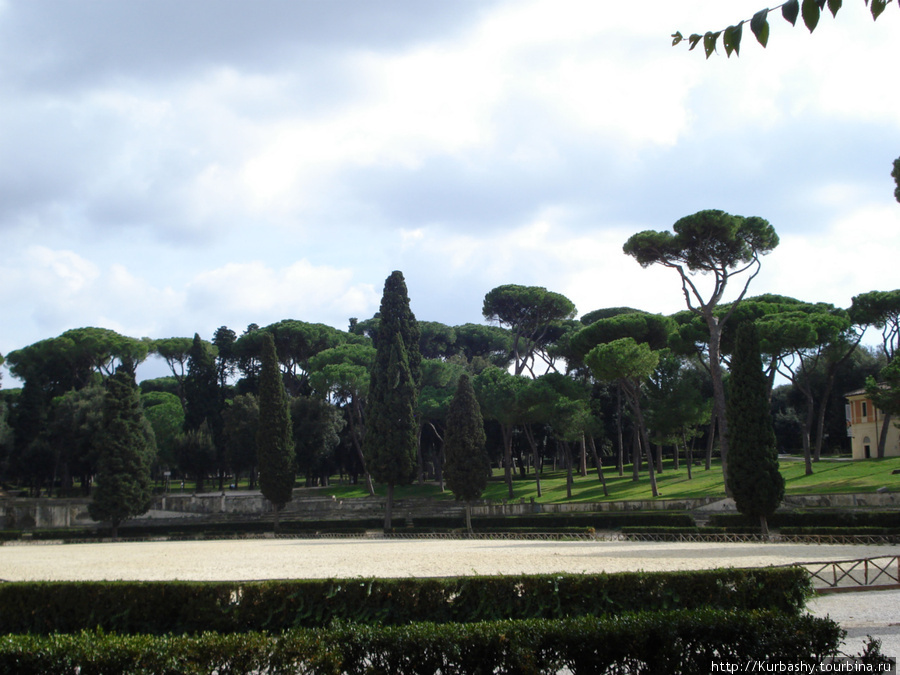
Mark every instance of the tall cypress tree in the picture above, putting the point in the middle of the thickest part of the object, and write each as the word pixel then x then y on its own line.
pixel 753 476
pixel 467 465
pixel 391 430
pixel 274 439
pixel 203 406
pixel 124 455
pixel 201 387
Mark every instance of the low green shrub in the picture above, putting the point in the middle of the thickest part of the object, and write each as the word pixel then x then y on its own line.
pixel 637 529
pixel 675 643
pixel 599 520
pixel 68 535
pixel 817 518
pixel 844 531
pixel 195 607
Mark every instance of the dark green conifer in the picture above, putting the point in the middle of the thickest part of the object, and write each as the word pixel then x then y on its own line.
pixel 274 439
pixel 122 488
pixel 391 430
pixel 753 476
pixel 201 388
pixel 467 466
pixel 203 405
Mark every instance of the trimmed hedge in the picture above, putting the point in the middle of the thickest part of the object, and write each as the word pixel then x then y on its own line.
pixel 663 642
pixel 195 607
pixel 576 523
pixel 837 519
pixel 600 520
pixel 846 531
pixel 220 529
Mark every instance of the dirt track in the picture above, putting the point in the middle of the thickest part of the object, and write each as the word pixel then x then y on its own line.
pixel 323 558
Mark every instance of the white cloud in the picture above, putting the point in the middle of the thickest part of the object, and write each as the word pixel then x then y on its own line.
pixel 261 294
pixel 524 144
pixel 855 253
pixel 60 273
pixel 50 291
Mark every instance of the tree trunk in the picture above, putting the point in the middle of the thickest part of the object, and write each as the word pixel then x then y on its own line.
pixel 507 457
pixel 764 526
pixel 420 464
pixel 359 453
pixel 635 454
pixel 820 420
pixel 710 441
pixel 583 468
pixel 567 456
pixel 633 393
pixel 469 518
pixel 659 464
pixel 529 436
pixel 650 468
pixel 388 508
pixel 277 513
pixel 599 464
pixel 689 450
pixel 439 465
pixel 807 428
pixel 715 370
pixel 620 458
pixel 882 439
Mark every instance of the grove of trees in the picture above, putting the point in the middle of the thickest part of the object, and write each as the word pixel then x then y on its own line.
pixel 389 401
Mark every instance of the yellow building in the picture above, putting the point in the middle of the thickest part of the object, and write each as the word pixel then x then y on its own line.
pixel 864 424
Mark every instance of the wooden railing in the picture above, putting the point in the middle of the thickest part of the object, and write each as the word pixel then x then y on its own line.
pixel 854 575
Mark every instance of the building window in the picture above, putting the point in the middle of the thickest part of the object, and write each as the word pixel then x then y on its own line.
pixel 865 410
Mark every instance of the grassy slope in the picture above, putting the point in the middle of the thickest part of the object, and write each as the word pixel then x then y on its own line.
pixel 829 477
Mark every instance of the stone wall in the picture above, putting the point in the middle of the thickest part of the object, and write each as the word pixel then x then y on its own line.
pixel 29 514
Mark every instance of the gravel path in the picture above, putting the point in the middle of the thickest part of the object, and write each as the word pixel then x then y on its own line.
pixel 871 612
pixel 323 558
pixel 875 613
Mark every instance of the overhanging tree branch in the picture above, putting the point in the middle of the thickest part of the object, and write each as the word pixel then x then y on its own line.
pixel 809 10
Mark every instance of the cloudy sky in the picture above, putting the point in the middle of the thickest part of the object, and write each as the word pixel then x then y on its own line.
pixel 169 167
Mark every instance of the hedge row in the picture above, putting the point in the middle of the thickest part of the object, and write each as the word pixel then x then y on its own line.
pixel 837 519
pixel 600 520
pixel 662 642
pixel 550 522
pixel 860 531
pixel 194 607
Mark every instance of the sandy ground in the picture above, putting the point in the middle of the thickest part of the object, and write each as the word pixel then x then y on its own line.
pixel 860 613
pixel 323 558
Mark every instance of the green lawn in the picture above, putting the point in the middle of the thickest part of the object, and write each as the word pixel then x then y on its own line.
pixel 829 477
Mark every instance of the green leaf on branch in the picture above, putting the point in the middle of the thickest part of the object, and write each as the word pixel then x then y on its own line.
pixel 790 11
pixel 709 42
pixel 834 6
pixel 677 37
pixel 759 24
pixel 811 14
pixel 731 39
pixel 694 40
pixel 878 6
